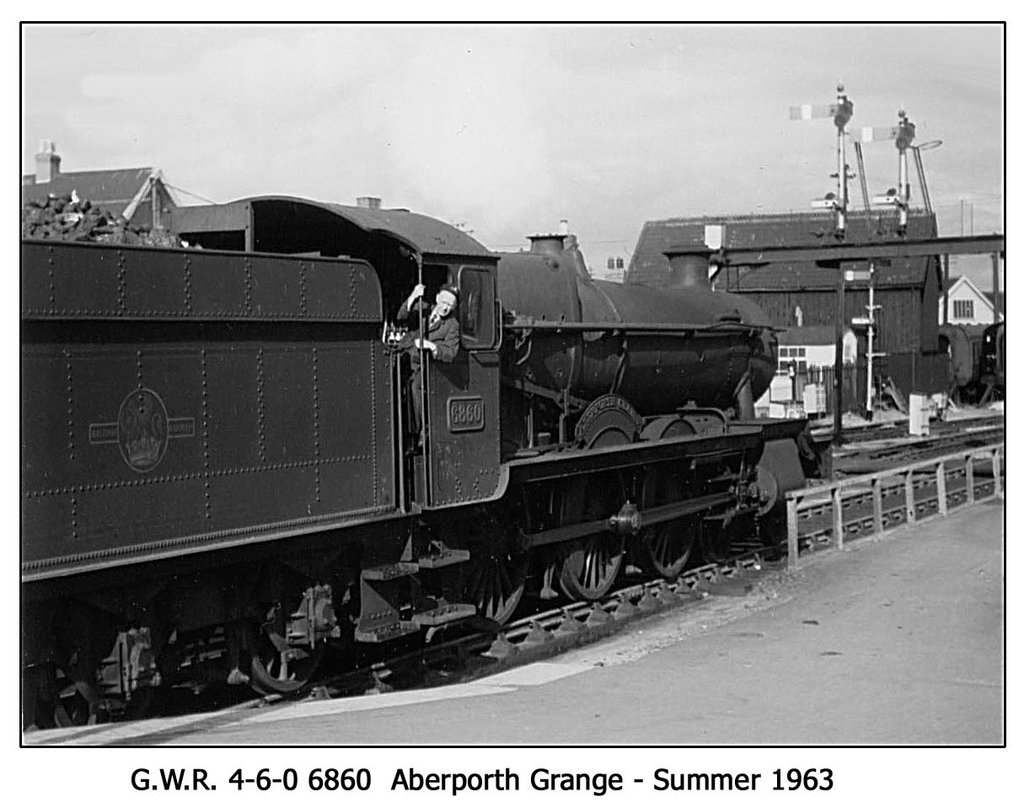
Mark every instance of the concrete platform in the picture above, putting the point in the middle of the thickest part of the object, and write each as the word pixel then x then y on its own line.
pixel 893 641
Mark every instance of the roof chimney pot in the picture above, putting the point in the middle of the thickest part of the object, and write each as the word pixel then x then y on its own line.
pixel 47 161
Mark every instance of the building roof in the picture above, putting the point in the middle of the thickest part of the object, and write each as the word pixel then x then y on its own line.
pixel 650 267
pixel 985 298
pixel 997 298
pixel 808 335
pixel 113 189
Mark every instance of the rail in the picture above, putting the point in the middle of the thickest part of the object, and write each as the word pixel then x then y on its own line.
pixel 907 494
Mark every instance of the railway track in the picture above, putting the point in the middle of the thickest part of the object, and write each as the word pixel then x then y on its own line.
pixel 879 455
pixel 476 648
pixel 883 499
pixel 894 430
pixel 551 631
pixel 473 650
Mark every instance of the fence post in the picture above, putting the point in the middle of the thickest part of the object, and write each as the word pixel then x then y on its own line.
pixel 909 488
pixel 970 479
pixel 876 502
pixel 792 545
pixel 998 490
pixel 837 517
pixel 940 485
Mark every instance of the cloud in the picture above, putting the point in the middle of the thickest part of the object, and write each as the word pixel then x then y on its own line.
pixel 511 129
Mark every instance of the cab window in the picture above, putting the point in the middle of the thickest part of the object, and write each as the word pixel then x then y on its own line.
pixel 476 308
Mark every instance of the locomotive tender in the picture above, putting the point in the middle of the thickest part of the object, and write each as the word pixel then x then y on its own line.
pixel 218 480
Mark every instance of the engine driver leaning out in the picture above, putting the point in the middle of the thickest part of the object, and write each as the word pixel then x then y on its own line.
pixel 441 338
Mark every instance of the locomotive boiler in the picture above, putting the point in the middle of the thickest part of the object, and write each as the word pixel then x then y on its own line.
pixel 657 349
pixel 219 479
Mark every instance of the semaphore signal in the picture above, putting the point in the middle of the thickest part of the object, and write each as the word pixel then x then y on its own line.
pixel 903 133
pixel 840 112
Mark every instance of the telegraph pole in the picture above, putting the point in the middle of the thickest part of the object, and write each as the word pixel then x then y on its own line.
pixel 903 133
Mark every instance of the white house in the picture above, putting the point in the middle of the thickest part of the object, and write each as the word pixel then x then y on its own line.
pixel 968 305
pixel 802 351
pixel 609 260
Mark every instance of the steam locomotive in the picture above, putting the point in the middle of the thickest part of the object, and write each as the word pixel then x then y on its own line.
pixel 219 480
pixel 977 360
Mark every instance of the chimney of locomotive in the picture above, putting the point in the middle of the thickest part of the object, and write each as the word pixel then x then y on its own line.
pixel 688 267
pixel 371 202
pixel 47 161
pixel 547 243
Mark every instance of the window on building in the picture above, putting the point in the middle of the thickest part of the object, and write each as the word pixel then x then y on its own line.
pixel 963 309
pixel 611 263
pixel 618 263
pixel 787 354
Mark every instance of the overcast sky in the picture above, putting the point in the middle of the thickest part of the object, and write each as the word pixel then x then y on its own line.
pixel 509 129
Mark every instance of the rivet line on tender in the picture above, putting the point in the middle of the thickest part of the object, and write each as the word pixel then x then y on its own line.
pixel 196 475
pixel 52 279
pixel 248 286
pixel 373 420
pixel 122 282
pixel 206 433
pixel 71 403
pixel 316 424
pixel 201 538
pixel 260 405
pixel 188 284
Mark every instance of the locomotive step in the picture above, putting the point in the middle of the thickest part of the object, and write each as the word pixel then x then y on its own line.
pixel 386 633
pixel 389 572
pixel 443 557
pixel 440 615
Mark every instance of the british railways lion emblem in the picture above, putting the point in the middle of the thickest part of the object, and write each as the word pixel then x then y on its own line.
pixel 142 430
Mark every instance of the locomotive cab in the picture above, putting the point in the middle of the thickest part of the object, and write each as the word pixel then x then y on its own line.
pixel 461 417
pixel 459 457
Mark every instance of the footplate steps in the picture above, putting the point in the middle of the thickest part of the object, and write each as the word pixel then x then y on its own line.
pixel 443 558
pixel 389 572
pixel 386 633
pixel 442 615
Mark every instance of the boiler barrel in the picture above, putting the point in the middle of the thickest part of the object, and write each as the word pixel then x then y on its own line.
pixel 675 346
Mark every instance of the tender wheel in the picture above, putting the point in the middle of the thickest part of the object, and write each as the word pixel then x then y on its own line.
pixel 666 548
pixel 496 571
pixel 276 668
pixel 592 564
pixel 51 700
pixel 276 672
